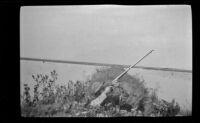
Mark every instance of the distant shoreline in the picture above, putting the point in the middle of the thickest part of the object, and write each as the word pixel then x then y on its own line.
pixel 104 64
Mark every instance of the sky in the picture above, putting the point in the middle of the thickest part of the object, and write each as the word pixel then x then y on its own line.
pixel 109 34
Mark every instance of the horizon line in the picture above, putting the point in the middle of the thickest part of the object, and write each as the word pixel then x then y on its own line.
pixel 104 64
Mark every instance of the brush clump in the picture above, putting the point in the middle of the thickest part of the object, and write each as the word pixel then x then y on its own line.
pixel 130 98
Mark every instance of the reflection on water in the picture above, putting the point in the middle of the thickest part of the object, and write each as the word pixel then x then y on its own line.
pixel 170 85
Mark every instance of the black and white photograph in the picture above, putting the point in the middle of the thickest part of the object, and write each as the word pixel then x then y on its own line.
pixel 106 61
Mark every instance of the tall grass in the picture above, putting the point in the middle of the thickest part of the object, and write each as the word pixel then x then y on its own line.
pixel 132 98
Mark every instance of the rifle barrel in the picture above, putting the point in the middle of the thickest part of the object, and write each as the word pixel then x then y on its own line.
pixel 118 77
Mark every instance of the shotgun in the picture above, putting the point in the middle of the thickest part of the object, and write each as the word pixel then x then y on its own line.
pixel 102 96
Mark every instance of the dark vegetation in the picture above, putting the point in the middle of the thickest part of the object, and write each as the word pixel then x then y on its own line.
pixel 131 98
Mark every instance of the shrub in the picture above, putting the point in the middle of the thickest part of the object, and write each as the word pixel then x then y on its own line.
pixel 131 85
pixel 26 98
pixel 72 99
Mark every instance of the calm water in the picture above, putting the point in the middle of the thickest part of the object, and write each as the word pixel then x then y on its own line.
pixel 177 85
